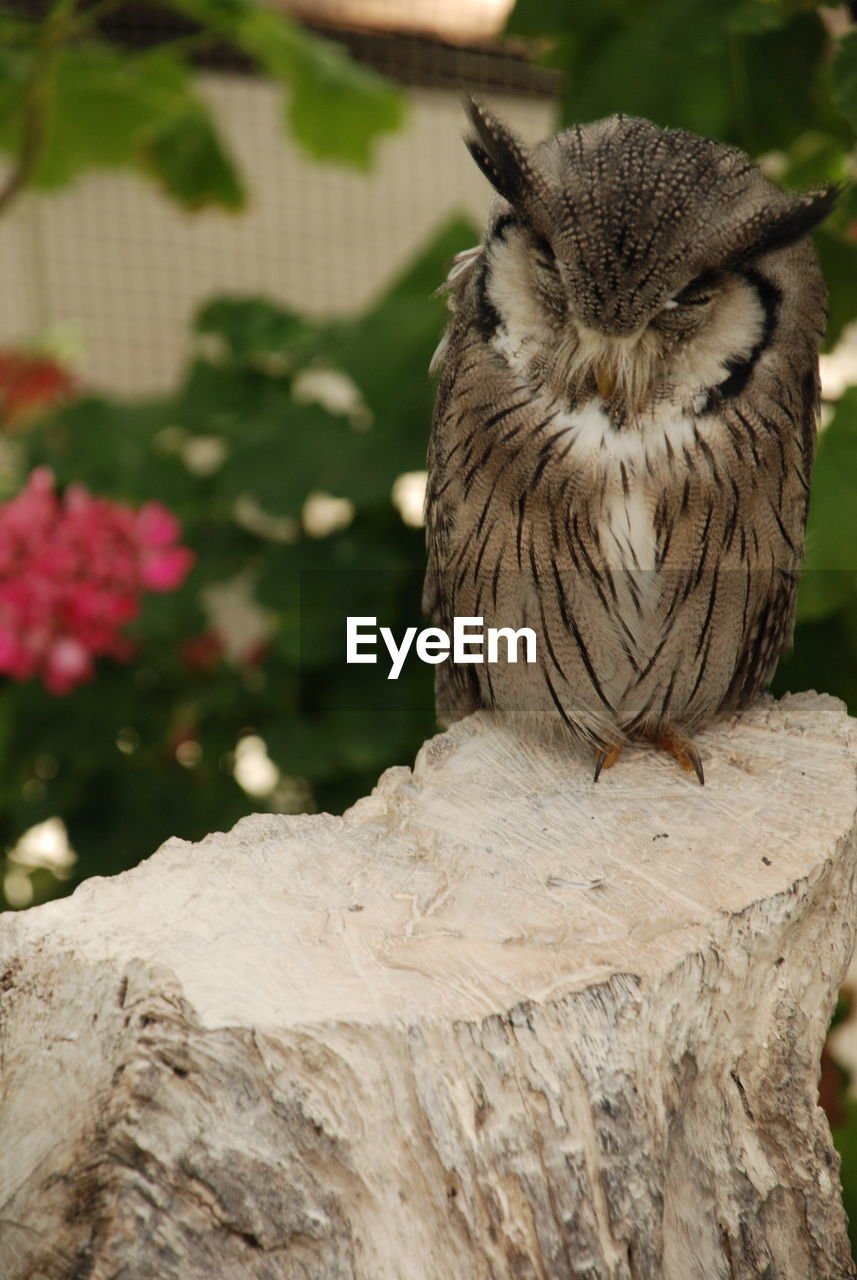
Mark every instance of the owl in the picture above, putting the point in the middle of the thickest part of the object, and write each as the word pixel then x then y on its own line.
pixel 624 432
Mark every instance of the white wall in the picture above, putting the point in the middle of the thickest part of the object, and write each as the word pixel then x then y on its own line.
pixel 114 258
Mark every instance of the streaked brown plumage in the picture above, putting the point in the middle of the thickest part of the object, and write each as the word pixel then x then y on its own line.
pixel 624 431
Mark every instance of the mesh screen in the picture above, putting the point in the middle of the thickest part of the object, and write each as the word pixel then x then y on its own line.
pixel 124 270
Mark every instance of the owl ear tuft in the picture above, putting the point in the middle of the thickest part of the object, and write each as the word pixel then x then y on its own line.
pixel 797 220
pixel 499 153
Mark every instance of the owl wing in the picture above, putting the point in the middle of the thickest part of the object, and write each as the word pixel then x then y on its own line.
pixel 456 688
pixel 457 691
pixel 785 404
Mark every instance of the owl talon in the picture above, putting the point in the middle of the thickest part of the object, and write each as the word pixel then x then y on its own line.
pixel 605 758
pixel 682 750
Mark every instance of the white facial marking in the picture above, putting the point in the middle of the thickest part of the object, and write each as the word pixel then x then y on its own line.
pixel 650 371
pixel 731 332
pixel 511 292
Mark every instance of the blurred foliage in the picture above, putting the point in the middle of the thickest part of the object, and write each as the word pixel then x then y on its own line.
pixel 837 1097
pixel 112 757
pixel 70 101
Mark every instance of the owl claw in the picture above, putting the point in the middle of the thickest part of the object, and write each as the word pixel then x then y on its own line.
pixel 696 761
pixel 669 740
pixel 682 750
pixel 605 758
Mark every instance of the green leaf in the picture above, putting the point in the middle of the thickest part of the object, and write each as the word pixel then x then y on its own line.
pixel 187 156
pixel 829 578
pixel 280 456
pixel 337 108
pixel 541 18
pixel 682 44
pixel 109 447
pixel 425 273
pixel 755 16
pixel 838 258
pixel 250 327
pixel 90 106
pixel 778 86
pixel 845 1139
pixel 823 658
pixel 101 104
pixel 16 30
pixel 843 78
pixel 745 71
pixel 16 70
pixel 814 159
pixel 103 109
pixel 281 449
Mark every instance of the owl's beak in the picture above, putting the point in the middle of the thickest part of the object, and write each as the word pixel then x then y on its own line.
pixel 605 380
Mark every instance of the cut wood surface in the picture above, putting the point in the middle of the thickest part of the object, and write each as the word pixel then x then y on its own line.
pixel 495 1021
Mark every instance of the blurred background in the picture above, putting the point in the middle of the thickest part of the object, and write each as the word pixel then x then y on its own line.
pixel 220 231
pixel 221 226
pixel 122 269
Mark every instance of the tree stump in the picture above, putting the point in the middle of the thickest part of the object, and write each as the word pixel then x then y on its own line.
pixel 495 1021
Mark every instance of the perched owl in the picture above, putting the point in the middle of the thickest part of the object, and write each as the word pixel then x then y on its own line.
pixel 624 431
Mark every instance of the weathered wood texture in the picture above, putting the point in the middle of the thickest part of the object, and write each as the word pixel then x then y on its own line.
pixel 496 1021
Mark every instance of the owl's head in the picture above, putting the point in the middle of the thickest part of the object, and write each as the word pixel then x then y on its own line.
pixel 626 242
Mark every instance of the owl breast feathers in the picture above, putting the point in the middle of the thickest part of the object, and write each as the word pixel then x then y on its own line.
pixel 624 430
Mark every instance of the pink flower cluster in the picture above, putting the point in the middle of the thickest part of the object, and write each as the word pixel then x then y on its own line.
pixel 72 569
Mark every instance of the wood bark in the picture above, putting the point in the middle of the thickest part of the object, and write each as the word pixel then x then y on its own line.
pixel 495 1021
